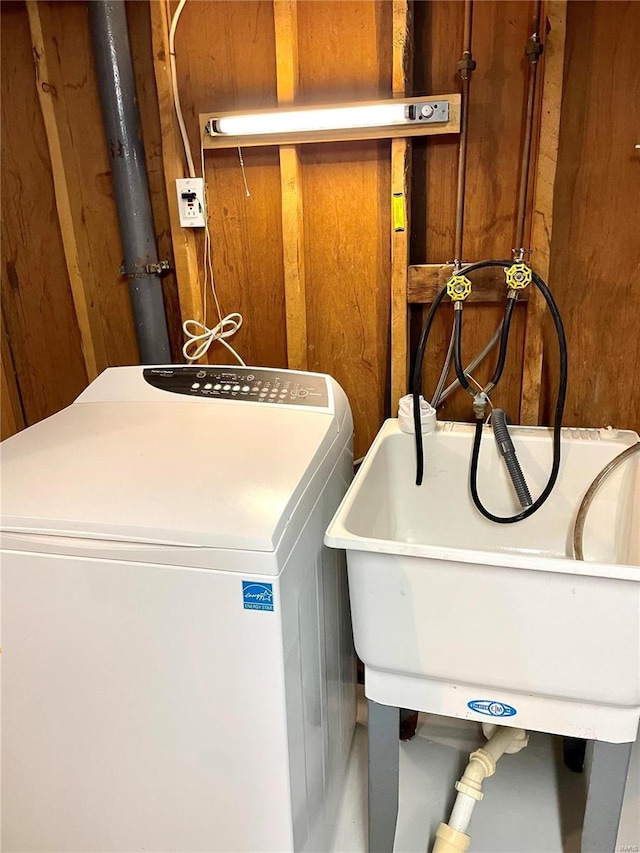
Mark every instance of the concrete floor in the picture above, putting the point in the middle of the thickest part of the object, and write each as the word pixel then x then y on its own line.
pixel 533 804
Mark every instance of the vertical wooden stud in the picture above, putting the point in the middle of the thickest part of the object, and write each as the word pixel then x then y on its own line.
pixel 554 17
pixel 67 191
pixel 287 73
pixel 400 199
pixel 185 256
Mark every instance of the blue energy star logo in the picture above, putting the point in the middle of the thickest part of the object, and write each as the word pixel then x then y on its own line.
pixel 491 708
pixel 257 596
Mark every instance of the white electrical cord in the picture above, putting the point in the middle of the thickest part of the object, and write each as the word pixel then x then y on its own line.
pixel 174 83
pixel 200 336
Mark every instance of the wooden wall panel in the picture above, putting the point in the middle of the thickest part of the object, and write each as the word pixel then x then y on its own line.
pixel 72 44
pixel 226 60
pixel 67 187
pixel 595 273
pixel 11 414
pixel 498 91
pixel 35 280
pixel 346 214
pixel 345 50
pixel 345 54
pixel 36 301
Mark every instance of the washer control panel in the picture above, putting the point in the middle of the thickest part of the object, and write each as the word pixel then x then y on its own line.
pixel 242 383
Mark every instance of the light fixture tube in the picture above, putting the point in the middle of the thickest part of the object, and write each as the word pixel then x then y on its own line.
pixel 322 118
pixel 383 119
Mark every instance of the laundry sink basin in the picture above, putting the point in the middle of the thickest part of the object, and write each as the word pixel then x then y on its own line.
pixel 457 615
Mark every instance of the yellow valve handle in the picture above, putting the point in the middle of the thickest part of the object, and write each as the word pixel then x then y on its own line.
pixel 458 287
pixel 518 276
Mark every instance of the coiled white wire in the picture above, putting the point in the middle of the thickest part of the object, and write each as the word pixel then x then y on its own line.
pixel 200 337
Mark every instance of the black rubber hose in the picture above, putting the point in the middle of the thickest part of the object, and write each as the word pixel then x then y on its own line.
pixel 508 453
pixel 417 381
pixel 504 340
pixel 559 409
pixel 417 370
pixel 557 424
pixel 457 349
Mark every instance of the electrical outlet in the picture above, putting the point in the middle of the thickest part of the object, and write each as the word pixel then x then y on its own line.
pixel 190 193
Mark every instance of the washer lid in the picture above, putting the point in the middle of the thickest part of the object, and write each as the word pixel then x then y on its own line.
pixel 220 474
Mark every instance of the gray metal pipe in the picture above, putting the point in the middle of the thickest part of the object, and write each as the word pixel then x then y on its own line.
pixel 112 56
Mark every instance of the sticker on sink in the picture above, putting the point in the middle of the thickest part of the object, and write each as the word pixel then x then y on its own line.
pixel 491 708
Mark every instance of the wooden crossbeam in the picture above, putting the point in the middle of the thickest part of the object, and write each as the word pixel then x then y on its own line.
pixel 287 73
pixel 427 280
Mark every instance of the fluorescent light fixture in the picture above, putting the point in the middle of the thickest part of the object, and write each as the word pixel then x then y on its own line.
pixel 324 118
pixel 362 120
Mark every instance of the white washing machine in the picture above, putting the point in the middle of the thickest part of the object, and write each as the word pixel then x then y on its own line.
pixel 177 663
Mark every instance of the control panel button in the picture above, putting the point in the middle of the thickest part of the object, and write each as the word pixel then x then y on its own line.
pixel 195 386
pixel 217 386
pixel 236 388
pixel 201 374
pixel 226 387
pixel 246 388
pixel 303 393
pixel 208 386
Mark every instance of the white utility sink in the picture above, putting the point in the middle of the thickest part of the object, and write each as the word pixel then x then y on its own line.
pixel 456 615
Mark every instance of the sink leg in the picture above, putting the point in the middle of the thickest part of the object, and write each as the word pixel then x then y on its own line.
pixel 574 749
pixel 384 760
pixel 607 765
pixel 408 723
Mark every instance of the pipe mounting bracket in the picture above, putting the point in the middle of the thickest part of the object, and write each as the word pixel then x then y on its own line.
pixel 159 268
